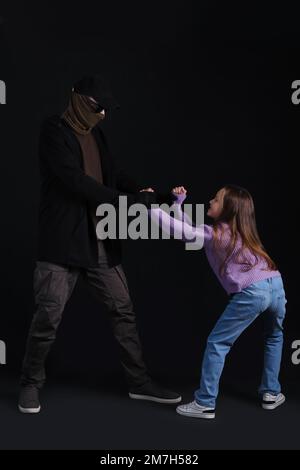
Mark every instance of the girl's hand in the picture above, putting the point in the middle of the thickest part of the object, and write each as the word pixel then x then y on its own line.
pixel 180 193
pixel 179 190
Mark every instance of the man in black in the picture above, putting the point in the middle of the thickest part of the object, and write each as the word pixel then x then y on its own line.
pixel 77 174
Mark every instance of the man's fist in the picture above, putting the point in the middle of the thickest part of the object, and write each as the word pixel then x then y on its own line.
pixel 149 190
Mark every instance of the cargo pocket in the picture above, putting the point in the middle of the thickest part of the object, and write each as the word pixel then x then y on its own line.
pixel 122 276
pixel 41 284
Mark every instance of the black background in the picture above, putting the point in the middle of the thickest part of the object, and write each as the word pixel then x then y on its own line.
pixel 205 94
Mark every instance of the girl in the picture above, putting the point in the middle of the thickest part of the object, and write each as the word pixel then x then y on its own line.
pixel 249 276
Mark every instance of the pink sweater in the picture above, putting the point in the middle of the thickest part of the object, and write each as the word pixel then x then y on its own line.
pixel 237 274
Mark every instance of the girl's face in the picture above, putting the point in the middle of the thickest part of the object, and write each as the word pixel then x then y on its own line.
pixel 216 204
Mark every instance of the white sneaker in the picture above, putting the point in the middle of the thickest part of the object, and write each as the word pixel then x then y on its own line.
pixel 270 402
pixel 194 410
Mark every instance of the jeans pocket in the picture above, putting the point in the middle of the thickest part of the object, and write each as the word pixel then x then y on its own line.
pixel 281 301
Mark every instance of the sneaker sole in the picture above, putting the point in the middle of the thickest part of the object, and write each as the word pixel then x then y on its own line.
pixel 197 415
pixel 29 410
pixel 272 406
pixel 170 401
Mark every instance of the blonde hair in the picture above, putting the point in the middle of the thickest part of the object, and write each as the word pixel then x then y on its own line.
pixel 238 212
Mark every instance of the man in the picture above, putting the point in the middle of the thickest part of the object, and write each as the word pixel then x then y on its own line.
pixel 77 174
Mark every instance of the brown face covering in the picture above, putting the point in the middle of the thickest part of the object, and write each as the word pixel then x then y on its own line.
pixel 81 113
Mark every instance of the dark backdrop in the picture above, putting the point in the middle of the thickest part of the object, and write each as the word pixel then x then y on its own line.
pixel 205 92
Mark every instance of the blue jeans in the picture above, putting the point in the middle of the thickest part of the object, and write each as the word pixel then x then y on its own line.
pixel 267 297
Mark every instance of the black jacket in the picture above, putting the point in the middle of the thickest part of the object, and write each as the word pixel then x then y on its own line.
pixel 66 231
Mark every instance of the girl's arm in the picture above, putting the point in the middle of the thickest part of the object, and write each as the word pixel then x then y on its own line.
pixel 179 214
pixel 181 228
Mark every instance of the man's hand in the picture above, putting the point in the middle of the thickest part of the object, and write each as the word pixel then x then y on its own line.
pixel 149 190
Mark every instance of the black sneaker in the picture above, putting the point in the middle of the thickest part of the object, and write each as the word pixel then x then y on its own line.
pixel 153 392
pixel 29 399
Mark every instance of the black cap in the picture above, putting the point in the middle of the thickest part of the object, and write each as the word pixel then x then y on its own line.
pixel 96 87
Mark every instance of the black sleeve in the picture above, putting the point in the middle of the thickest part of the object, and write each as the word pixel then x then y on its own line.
pixel 127 183
pixel 124 182
pixel 65 166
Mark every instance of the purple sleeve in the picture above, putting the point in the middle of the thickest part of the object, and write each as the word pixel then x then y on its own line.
pixel 180 228
pixel 181 215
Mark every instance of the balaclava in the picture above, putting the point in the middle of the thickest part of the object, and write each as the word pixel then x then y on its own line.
pixel 82 114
